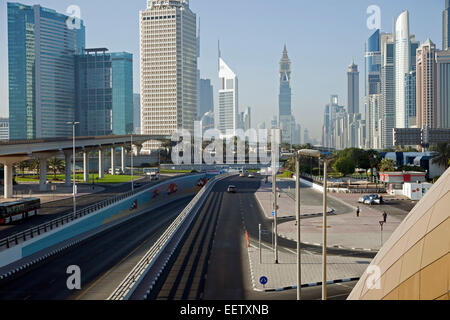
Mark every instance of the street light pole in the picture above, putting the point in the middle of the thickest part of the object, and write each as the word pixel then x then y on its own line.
pixel 299 261
pixel 275 204
pixel 73 123
pixel 132 182
pixel 324 233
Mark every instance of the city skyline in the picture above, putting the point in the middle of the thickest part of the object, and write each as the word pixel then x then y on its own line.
pixel 247 52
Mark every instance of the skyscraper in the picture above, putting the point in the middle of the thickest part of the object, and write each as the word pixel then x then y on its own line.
pixel 426 86
pixel 446 26
pixel 206 97
pixel 285 98
pixel 402 66
pixel 137 113
pixel 122 93
pixel 168 47
pixel 228 111
pixel 387 91
pixel 443 88
pixel 353 89
pixel 4 129
pixel 41 49
pixel 410 99
pixel 94 98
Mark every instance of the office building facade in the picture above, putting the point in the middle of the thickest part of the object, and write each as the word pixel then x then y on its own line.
pixel 41 50
pixel 169 77
pixel 206 95
pixel 353 89
pixel 228 110
pixel 446 26
pixel 4 129
pixel 443 88
pixel 426 86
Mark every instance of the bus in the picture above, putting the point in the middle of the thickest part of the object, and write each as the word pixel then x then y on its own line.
pixel 19 210
pixel 152 172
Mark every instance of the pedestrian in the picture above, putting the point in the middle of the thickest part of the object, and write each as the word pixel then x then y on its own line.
pixel 358 211
pixel 384 216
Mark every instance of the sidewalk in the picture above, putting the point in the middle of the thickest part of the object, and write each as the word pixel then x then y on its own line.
pixel 284 274
pixel 344 230
pixel 26 190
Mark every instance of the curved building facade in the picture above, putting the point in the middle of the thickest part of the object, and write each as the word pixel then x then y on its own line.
pixel 414 264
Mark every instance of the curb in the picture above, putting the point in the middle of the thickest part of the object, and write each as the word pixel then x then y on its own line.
pixel 308 285
pixel 333 246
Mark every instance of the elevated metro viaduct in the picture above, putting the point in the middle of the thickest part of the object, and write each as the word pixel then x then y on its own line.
pixel 14 151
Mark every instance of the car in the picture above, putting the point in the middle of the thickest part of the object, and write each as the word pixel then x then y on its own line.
pixel 231 189
pixel 242 175
pixel 251 175
pixel 371 199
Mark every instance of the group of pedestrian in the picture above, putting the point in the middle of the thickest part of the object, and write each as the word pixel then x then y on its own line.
pixel 358 214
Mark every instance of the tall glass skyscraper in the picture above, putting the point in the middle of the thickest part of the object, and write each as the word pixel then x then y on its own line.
pixel 122 83
pixel 104 92
pixel 410 99
pixel 41 49
pixel 446 26
pixel 228 111
pixel 94 93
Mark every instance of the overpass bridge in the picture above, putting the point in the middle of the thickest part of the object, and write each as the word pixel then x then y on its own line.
pixel 14 151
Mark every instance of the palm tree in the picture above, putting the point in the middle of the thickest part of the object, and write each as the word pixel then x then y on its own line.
pixel 387 165
pixel 443 156
pixel 56 165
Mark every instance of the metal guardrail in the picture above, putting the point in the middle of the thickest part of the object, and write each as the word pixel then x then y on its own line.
pixel 127 286
pixel 25 235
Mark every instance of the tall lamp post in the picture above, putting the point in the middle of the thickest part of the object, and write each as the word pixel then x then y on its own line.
pixel 132 181
pixel 74 123
pixel 324 156
pixel 297 202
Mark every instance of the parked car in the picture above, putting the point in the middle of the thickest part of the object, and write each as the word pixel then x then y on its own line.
pixel 371 199
pixel 231 189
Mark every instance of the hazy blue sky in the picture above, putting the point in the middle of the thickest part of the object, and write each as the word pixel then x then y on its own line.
pixel 322 36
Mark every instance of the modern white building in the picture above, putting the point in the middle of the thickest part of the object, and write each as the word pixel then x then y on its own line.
pixel 169 86
pixel 4 129
pixel 228 110
pixel 402 67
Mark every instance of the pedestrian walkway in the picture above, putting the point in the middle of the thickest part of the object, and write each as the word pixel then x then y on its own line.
pixel 345 230
pixel 284 274
pixel 56 191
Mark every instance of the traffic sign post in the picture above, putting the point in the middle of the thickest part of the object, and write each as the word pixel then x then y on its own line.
pixel 260 253
pixel 263 280
pixel 381 225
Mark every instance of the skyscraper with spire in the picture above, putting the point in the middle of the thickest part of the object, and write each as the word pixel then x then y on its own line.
pixel 285 99
pixel 353 89
pixel 446 26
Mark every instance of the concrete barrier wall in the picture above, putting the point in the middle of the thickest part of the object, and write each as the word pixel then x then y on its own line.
pixel 162 193
pixel 312 185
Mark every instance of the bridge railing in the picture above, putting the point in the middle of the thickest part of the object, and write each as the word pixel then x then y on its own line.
pixel 133 279
pixel 30 233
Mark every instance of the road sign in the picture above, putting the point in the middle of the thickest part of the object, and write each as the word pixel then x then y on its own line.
pixel 263 280
pixel 273 213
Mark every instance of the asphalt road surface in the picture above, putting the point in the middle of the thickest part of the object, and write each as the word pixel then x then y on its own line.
pixel 99 257
pixel 212 262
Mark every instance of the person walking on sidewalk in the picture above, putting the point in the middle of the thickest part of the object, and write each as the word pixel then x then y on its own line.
pixel 358 211
pixel 384 216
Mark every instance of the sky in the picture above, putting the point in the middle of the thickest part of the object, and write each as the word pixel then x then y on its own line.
pixel 322 38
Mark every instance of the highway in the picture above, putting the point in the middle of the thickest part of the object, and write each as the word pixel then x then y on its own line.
pixel 56 209
pixel 212 262
pixel 104 260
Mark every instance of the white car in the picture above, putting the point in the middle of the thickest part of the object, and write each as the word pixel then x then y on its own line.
pixel 251 175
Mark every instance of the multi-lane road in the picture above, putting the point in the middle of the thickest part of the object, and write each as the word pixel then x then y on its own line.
pixel 211 263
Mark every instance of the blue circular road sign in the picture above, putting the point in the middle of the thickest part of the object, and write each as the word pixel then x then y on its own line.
pixel 263 280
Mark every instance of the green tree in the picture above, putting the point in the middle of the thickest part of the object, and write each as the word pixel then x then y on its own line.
pixel 345 165
pixel 443 156
pixel 387 165
pixel 56 165
pixel 22 166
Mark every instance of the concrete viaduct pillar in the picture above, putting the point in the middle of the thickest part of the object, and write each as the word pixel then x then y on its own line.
pixel 113 163
pixel 85 165
pixel 43 157
pixel 123 158
pixel 68 168
pixel 8 162
pixel 101 174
